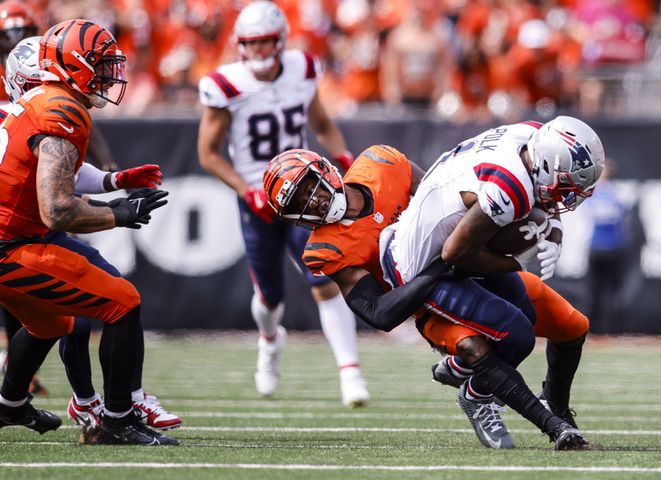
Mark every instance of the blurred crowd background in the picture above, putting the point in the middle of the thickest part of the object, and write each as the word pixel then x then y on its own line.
pixel 460 60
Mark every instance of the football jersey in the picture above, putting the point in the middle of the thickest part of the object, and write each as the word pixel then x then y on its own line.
pixel 355 243
pixel 48 110
pixel 488 165
pixel 267 117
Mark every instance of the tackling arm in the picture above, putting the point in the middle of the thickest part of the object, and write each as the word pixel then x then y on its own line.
pixel 386 310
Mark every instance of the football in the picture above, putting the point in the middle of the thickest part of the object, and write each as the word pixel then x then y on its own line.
pixel 511 240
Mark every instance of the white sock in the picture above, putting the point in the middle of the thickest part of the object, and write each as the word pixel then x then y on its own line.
pixel 84 401
pixel 12 403
pixel 267 320
pixel 110 414
pixel 137 395
pixel 339 326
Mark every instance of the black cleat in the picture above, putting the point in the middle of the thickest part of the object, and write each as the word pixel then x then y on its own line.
pixel 27 416
pixel 567 437
pixel 127 430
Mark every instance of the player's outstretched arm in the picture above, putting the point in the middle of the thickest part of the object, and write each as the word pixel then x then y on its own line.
pixel 386 310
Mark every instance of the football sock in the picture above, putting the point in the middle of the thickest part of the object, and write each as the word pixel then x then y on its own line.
pixel 12 404
pixel 267 320
pixel 83 401
pixel 562 359
pixel 25 355
pixel 339 326
pixel 138 395
pixel 458 367
pixel 136 384
pixel 495 376
pixel 75 355
pixel 12 324
pixel 118 356
pixel 472 394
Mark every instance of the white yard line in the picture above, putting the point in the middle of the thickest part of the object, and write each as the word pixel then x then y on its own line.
pixel 256 466
pixel 380 430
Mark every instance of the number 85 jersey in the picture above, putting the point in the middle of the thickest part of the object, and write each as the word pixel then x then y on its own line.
pixel 267 117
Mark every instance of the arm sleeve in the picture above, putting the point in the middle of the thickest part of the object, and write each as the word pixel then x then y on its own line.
pixel 385 311
pixel 90 179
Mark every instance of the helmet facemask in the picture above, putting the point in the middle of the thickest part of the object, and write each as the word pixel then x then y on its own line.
pixel 109 81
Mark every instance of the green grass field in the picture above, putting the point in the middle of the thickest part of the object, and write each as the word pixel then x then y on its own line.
pixel 412 429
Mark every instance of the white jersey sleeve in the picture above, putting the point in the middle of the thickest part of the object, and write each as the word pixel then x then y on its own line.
pixel 501 195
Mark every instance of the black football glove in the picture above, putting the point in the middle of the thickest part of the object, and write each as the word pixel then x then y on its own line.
pixel 134 210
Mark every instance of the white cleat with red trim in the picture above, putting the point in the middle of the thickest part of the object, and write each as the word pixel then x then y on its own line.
pixel 154 415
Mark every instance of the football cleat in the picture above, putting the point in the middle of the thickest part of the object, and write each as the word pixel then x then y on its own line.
pixel 353 387
pixel 567 437
pixel 267 375
pixel 87 415
pixel 442 373
pixel 154 415
pixel 567 414
pixel 485 418
pixel 27 416
pixel 128 430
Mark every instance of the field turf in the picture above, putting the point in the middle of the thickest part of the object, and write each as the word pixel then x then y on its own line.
pixel 412 429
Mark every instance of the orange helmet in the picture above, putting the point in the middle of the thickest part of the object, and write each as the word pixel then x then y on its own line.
pixel 85 56
pixel 285 173
pixel 16 24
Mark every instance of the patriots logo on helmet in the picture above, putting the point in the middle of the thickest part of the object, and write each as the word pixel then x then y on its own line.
pixel 580 157
pixel 495 208
pixel 23 52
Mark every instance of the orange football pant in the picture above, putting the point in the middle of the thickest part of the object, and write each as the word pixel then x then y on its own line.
pixel 45 286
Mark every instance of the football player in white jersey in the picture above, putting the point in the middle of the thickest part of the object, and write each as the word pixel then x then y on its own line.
pixel 22 73
pixel 485 183
pixel 262 104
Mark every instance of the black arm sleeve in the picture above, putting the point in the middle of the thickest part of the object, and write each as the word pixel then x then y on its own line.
pixel 385 311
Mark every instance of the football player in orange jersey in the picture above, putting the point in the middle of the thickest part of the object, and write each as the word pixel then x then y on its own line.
pixel 17 23
pixel 304 188
pixel 22 74
pixel 44 280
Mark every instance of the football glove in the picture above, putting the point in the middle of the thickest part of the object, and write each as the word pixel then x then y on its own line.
pixel 549 253
pixel 344 160
pixel 143 176
pixel 255 197
pixel 134 210
pixel 524 257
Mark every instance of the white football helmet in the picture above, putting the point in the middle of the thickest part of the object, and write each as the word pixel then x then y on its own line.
pixel 261 20
pixel 567 160
pixel 22 70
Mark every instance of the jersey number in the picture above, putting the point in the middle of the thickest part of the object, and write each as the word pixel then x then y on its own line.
pixel 264 132
pixel 12 109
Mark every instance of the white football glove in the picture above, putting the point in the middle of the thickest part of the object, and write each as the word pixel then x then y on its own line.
pixel 524 257
pixel 549 253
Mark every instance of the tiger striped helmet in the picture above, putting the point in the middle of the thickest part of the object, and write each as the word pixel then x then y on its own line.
pixel 286 172
pixel 85 56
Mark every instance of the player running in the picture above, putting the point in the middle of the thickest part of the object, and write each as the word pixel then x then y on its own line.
pixel 262 105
